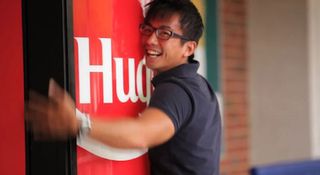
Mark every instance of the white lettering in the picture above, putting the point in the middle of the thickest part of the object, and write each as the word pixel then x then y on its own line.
pixel 134 80
pixel 85 68
pixel 119 74
pixel 139 82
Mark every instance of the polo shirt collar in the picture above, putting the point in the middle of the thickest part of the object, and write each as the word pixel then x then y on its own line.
pixel 182 71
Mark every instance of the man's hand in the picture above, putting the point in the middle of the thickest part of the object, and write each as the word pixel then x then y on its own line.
pixel 53 117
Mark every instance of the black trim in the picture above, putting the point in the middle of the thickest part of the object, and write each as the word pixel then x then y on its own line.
pixel 48 52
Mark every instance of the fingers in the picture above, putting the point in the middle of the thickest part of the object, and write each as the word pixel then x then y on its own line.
pixel 53 117
pixel 36 115
pixel 37 102
pixel 39 114
pixel 55 91
pixel 65 107
pixel 36 98
pixel 36 106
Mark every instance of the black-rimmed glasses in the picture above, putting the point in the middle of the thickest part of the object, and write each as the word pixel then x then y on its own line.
pixel 161 32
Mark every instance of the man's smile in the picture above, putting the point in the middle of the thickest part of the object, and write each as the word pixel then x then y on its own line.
pixel 152 53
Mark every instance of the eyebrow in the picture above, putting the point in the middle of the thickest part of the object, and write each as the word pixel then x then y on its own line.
pixel 162 26
pixel 166 27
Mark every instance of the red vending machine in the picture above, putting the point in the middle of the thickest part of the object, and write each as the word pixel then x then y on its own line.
pixel 111 78
pixel 92 49
pixel 35 39
pixel 12 147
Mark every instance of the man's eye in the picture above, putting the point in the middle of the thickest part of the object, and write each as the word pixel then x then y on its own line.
pixel 147 30
pixel 164 33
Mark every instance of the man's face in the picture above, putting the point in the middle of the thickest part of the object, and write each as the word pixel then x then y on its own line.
pixel 162 55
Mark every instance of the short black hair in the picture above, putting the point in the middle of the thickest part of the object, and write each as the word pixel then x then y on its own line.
pixel 190 18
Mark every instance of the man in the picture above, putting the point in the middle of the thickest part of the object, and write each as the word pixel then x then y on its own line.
pixel 181 126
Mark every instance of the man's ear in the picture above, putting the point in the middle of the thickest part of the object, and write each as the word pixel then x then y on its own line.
pixel 190 47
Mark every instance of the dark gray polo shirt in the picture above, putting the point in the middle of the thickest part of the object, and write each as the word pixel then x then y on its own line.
pixel 187 98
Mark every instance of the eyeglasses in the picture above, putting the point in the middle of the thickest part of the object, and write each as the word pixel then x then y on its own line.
pixel 161 33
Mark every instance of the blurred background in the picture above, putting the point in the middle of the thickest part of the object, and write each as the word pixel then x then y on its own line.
pixel 263 58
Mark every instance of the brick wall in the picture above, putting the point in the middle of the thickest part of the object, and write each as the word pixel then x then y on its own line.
pixel 235 156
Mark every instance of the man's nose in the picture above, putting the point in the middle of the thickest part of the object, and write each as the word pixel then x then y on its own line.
pixel 152 39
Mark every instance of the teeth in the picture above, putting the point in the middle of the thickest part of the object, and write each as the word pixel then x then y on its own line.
pixel 153 56
pixel 153 53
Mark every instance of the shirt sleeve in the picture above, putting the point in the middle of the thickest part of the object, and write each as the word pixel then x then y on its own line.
pixel 174 101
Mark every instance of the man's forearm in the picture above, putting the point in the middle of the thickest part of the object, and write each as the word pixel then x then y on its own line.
pixel 152 127
pixel 121 133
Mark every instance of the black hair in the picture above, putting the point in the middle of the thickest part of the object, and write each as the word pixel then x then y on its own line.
pixel 190 18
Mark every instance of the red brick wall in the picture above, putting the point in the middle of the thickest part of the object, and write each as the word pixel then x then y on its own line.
pixel 235 156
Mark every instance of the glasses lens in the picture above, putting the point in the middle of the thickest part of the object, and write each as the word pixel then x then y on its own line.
pixel 145 29
pixel 164 34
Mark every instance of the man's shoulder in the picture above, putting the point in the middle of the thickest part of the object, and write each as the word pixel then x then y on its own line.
pixel 171 87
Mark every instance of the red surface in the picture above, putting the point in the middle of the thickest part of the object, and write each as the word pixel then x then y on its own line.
pixel 118 20
pixel 12 146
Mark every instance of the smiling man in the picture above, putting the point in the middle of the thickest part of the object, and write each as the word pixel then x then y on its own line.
pixel 181 126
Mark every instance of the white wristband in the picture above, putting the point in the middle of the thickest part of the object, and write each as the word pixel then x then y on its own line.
pixel 85 123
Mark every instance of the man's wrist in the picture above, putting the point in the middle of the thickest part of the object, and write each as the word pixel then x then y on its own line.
pixel 85 123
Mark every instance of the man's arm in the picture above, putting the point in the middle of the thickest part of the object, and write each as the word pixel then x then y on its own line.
pixel 152 128
pixel 55 118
